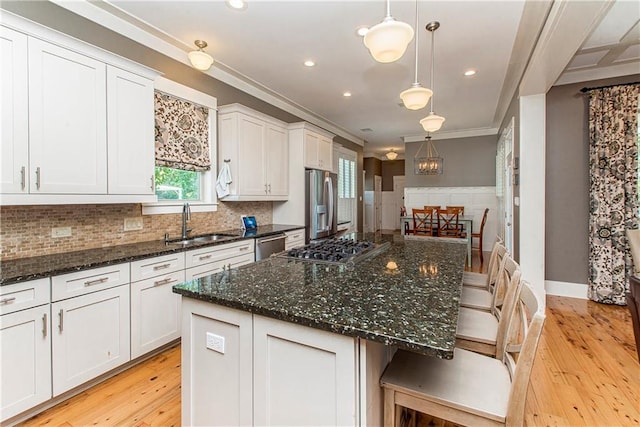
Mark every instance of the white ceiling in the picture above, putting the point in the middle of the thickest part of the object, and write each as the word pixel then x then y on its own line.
pixel 268 42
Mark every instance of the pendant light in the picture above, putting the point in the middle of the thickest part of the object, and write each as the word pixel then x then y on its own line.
pixel 432 122
pixel 388 40
pixel 432 164
pixel 416 97
pixel 392 155
pixel 200 59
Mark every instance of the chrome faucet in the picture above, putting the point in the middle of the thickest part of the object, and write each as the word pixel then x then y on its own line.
pixel 186 216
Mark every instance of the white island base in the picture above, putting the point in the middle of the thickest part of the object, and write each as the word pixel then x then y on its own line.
pixel 244 369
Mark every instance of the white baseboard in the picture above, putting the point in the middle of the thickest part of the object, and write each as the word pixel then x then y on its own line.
pixel 566 289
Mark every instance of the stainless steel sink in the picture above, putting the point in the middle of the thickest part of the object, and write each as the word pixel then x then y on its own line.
pixel 201 239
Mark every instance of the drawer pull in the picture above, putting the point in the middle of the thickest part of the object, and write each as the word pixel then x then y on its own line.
pixel 203 257
pixel 44 325
pixel 161 267
pixel 163 281
pixel 297 236
pixel 61 317
pixel 7 300
pixel 245 248
pixel 96 282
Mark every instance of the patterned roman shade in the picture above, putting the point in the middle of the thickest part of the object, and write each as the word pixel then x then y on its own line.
pixel 182 134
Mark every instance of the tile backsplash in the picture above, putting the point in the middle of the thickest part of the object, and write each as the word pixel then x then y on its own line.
pixel 25 231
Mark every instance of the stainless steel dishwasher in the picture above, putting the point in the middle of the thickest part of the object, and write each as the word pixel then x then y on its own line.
pixel 268 245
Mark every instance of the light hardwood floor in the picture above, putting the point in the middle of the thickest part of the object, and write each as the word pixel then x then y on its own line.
pixel 586 373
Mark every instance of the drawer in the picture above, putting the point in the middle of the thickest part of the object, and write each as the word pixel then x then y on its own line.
pixel 87 281
pixel 216 267
pixel 294 239
pixel 219 252
pixel 157 266
pixel 24 295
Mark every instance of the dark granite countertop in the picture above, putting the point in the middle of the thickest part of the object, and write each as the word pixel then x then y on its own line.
pixel 20 270
pixel 414 306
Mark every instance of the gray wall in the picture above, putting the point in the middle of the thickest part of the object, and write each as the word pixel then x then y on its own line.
pixel 372 167
pixel 468 162
pixel 57 18
pixel 567 181
pixel 391 168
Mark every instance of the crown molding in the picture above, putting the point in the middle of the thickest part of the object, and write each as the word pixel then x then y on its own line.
pixel 468 133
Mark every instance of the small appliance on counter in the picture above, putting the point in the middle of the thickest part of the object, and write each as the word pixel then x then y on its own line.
pixel 321 207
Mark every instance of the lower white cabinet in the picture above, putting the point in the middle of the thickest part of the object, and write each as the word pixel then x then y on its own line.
pixel 266 372
pixel 209 260
pixel 155 309
pixel 294 239
pixel 90 336
pixel 25 360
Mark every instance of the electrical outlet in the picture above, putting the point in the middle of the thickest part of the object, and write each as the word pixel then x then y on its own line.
pixel 60 232
pixel 215 342
pixel 132 224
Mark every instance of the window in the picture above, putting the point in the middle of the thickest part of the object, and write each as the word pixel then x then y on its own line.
pixel 177 184
pixel 347 206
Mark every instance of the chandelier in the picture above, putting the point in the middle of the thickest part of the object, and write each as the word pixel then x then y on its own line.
pixel 432 164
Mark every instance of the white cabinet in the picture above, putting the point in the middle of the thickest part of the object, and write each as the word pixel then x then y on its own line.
pixel 90 331
pixel 294 239
pixel 14 159
pixel 302 376
pixel 256 148
pixel 318 150
pixel 216 385
pixel 25 347
pixel 155 309
pixel 213 259
pixel 67 121
pixel 77 122
pixel 130 119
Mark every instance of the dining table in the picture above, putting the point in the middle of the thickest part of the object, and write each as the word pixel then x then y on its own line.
pixel 406 222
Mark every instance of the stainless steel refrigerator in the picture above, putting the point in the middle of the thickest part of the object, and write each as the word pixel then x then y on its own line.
pixel 321 199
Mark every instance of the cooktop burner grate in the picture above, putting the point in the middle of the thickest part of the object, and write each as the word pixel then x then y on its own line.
pixel 335 251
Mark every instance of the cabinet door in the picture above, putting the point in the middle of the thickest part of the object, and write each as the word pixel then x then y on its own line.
pixel 67 121
pixel 14 145
pixel 325 153
pixel 25 360
pixel 302 376
pixel 277 158
pixel 216 384
pixel 155 313
pixel 251 153
pixel 311 141
pixel 90 336
pixel 131 155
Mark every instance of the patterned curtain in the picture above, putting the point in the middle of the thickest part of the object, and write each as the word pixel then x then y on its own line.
pixel 613 164
pixel 182 134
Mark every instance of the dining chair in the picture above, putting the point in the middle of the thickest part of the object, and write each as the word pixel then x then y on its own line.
pixel 423 222
pixel 481 331
pixel 459 208
pixel 448 225
pixel 633 302
pixel 470 389
pixel 481 298
pixel 479 235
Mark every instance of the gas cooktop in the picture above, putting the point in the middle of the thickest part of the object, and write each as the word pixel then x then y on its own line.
pixel 336 251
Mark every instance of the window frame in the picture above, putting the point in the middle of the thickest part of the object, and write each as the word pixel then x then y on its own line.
pixel 208 201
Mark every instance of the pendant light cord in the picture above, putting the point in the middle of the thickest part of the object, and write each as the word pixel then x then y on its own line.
pixel 432 61
pixel 388 8
pixel 415 83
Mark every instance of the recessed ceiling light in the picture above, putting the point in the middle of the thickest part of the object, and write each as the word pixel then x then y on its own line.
pixel 309 63
pixel 362 30
pixel 346 94
pixel 237 4
pixel 469 72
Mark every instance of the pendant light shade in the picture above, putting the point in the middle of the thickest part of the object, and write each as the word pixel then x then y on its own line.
pixel 200 59
pixel 388 40
pixel 392 155
pixel 432 122
pixel 416 97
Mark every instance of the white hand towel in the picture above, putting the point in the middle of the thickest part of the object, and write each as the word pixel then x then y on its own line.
pixel 224 179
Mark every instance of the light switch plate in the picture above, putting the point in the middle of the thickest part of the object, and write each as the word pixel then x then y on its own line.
pixel 215 342
pixel 132 224
pixel 60 232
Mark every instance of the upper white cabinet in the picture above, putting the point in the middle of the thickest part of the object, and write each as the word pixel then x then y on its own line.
pixel 256 147
pixel 318 148
pixel 77 122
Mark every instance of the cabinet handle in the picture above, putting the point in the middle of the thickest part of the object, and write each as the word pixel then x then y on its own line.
pixel 61 318
pixel 269 188
pixel 44 325
pixel 163 281
pixel 202 258
pixel 38 178
pixel 96 282
pixel 153 183
pixel 22 177
pixel 7 300
pixel 245 248
pixel 161 267
pixel 265 189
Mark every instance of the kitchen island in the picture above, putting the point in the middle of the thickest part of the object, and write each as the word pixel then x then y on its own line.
pixel 291 342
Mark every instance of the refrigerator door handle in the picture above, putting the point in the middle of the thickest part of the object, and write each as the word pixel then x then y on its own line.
pixel 329 184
